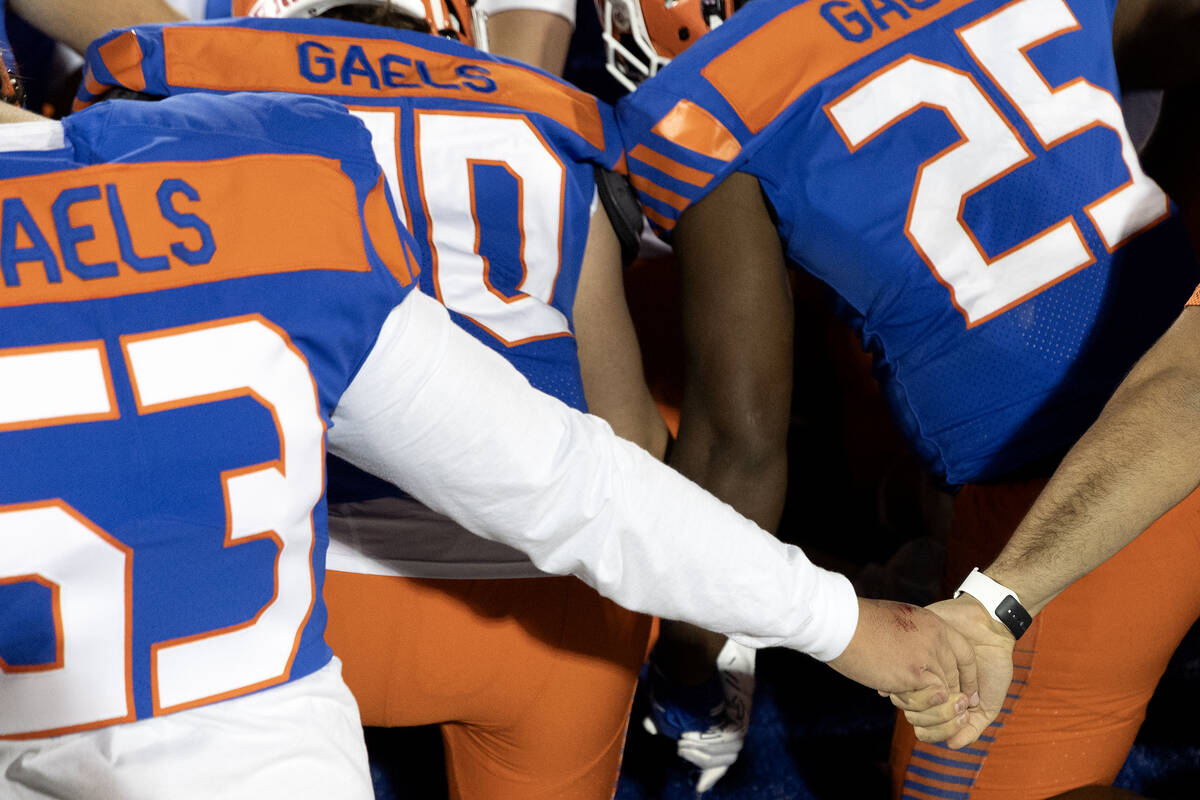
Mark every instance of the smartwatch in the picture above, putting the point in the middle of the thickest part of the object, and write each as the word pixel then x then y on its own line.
pixel 1000 601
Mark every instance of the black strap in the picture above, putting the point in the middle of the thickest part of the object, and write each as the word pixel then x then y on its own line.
pixel 624 213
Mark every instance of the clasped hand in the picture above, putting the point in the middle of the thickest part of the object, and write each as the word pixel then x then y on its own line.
pixel 939 713
pixel 934 664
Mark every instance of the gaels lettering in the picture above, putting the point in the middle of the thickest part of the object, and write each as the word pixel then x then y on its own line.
pixel 320 63
pixel 22 241
pixel 857 21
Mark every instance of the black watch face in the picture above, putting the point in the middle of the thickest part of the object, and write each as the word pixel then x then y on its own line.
pixel 1014 616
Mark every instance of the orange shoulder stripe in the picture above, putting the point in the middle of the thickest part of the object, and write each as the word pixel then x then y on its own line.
pixel 658 219
pixel 123 57
pixel 682 172
pixel 647 187
pixel 691 126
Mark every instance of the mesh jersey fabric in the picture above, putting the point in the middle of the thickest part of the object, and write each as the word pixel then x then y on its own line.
pixel 175 331
pixel 491 164
pixel 957 173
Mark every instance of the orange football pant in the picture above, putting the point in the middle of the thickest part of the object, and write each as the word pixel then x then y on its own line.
pixel 1083 672
pixel 531 679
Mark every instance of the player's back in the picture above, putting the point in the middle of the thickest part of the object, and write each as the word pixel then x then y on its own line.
pixel 958 173
pixel 490 161
pixel 492 166
pixel 178 319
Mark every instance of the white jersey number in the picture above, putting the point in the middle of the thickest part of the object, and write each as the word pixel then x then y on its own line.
pixel 981 286
pixel 449 146
pixel 89 572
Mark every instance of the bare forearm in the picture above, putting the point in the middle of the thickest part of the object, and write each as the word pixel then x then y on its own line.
pixel 575 498
pixel 738 331
pixel 536 37
pixel 76 23
pixel 610 361
pixel 1140 458
pixel 13 114
pixel 750 476
pixel 640 422
pixel 737 321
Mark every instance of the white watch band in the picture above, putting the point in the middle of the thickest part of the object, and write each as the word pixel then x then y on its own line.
pixel 1001 602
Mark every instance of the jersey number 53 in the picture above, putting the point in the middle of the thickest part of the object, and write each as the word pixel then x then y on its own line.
pixel 89 572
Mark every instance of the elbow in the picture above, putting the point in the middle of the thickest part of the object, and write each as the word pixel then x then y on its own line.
pixel 1171 389
pixel 750 440
pixel 757 442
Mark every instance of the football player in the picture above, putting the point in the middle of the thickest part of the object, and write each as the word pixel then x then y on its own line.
pixel 198 297
pixel 465 139
pixel 504 175
pixel 959 174
pixel 1133 466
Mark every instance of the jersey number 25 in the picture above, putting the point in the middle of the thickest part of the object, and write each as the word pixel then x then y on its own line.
pixel 990 147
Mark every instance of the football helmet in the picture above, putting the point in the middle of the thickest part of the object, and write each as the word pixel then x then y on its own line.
pixel 12 90
pixel 642 36
pixel 453 19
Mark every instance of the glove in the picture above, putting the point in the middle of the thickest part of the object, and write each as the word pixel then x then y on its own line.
pixel 708 721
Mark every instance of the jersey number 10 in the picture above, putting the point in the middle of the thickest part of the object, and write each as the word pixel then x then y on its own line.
pixel 448 146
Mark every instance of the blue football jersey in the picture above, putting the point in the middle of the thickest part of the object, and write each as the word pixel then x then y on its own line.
pixel 215 9
pixel 188 287
pixel 959 174
pixel 6 53
pixel 491 163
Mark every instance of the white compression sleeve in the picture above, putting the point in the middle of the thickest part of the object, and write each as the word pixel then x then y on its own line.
pixel 434 411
